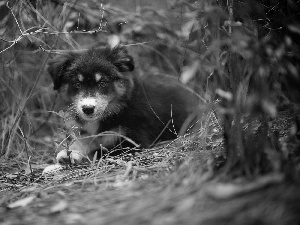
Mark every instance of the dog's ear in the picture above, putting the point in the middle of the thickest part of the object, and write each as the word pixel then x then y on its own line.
pixel 58 67
pixel 121 59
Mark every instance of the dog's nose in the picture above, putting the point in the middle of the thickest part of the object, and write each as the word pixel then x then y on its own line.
pixel 88 109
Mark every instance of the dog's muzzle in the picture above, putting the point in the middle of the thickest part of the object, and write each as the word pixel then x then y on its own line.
pixel 90 108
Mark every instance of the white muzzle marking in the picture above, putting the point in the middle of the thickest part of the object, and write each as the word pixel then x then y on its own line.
pixel 90 108
pixel 91 102
pixel 87 108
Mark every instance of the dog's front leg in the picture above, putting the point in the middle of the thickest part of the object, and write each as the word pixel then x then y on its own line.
pixel 77 150
pixel 83 146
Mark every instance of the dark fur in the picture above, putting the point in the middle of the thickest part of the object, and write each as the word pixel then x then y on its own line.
pixel 134 104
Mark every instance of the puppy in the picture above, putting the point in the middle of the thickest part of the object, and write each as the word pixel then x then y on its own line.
pixel 104 94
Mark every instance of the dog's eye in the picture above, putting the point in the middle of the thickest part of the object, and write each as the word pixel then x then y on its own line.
pixel 102 83
pixel 77 84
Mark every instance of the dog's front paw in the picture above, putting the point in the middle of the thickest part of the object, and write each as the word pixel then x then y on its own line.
pixel 73 157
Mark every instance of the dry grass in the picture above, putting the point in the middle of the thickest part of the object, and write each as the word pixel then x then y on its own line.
pixel 178 184
pixel 189 194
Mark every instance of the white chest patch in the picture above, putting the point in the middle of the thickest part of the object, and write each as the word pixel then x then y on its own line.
pixel 92 127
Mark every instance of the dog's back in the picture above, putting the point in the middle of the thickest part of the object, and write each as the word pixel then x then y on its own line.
pixel 155 112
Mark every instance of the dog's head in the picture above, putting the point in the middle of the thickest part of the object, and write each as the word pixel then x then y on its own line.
pixel 96 80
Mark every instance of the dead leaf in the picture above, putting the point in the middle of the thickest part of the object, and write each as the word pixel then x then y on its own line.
pixel 224 94
pixel 52 169
pixel 295 29
pixel 12 176
pixel 73 218
pixel 61 193
pixel 29 189
pixel 61 113
pixel 189 72
pixel 22 202
pixel 58 207
pixel 27 169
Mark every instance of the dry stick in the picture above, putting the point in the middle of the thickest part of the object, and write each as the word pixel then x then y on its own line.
pixel 228 129
pixel 40 30
pixel 235 131
pixel 109 133
pixel 102 16
pixel 173 121
pixel 23 33
pixel 128 169
pixel 163 130
pixel 26 149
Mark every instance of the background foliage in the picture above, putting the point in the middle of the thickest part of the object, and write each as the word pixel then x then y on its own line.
pixel 241 58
